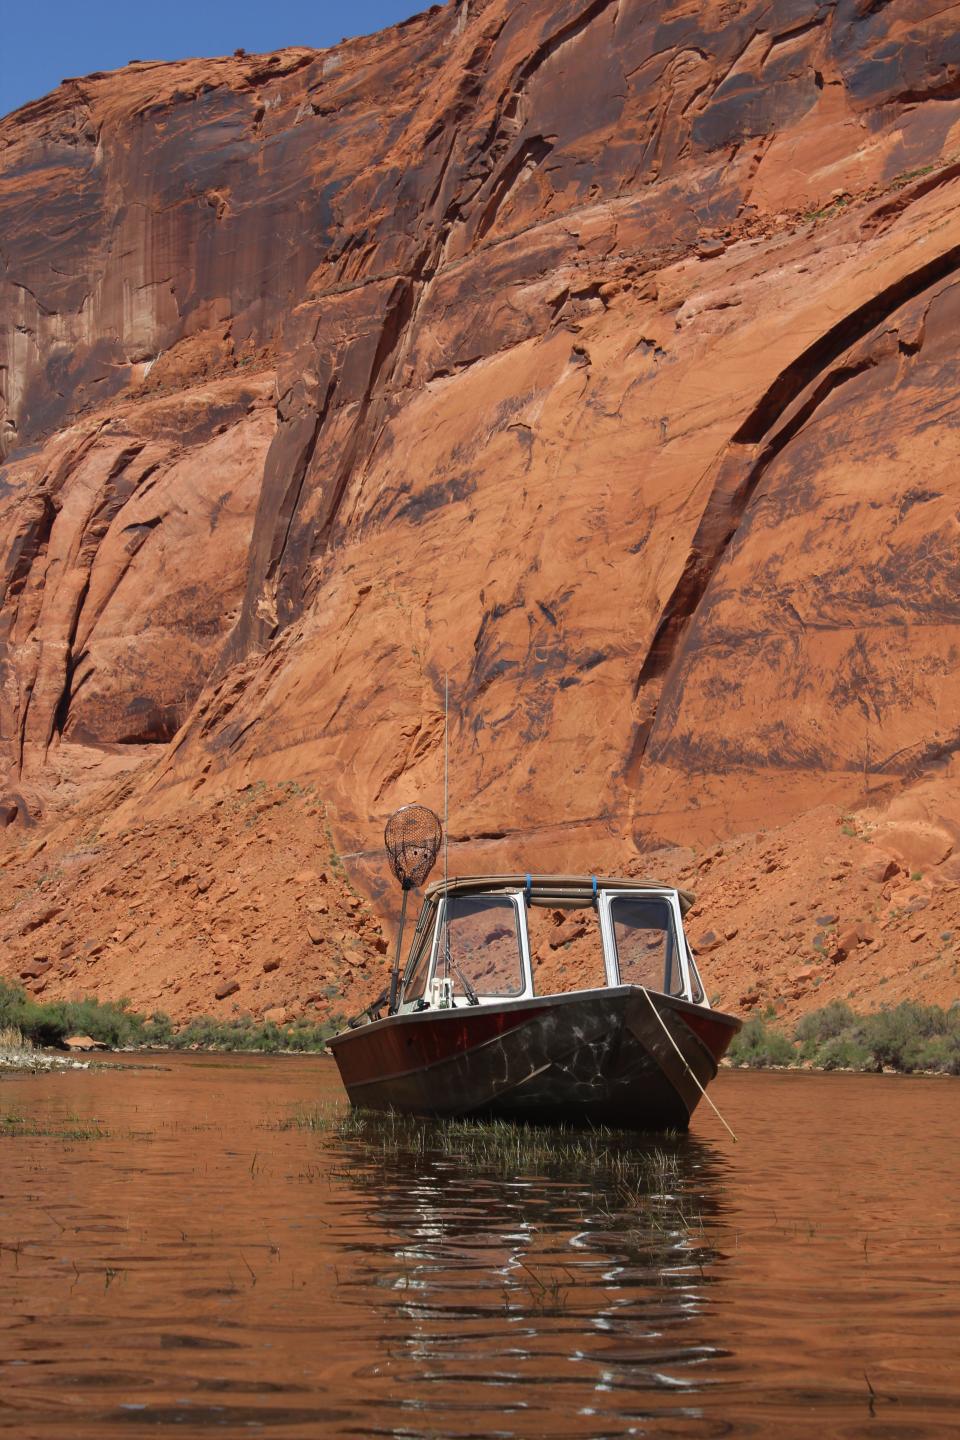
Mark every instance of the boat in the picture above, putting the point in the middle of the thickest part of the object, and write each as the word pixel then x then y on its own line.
pixel 542 998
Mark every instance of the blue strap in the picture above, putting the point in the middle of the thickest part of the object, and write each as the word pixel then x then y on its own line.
pixel 594 881
pixel 528 888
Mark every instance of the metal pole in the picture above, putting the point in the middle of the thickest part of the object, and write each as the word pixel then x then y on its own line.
pixel 395 977
pixel 446 823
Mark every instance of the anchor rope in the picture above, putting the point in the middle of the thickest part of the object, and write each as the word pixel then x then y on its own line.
pixel 686 1065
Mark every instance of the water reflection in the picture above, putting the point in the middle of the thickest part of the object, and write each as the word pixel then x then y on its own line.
pixel 580 1263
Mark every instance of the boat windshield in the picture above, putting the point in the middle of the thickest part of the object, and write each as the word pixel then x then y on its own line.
pixel 647 952
pixel 566 949
pixel 484 943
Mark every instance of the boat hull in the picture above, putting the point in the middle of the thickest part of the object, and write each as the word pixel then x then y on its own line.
pixel 593 1057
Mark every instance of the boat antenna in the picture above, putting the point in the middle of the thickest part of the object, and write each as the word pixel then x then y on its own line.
pixel 412 839
pixel 446 822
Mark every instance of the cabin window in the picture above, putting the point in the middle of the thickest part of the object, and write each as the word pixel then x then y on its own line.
pixel 418 966
pixel 566 949
pixel 484 940
pixel 647 952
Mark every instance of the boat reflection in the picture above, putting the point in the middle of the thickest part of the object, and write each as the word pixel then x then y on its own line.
pixel 514 1261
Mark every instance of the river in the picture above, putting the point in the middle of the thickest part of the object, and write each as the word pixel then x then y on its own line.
pixel 218 1245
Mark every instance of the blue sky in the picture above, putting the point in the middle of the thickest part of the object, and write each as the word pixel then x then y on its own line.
pixel 41 41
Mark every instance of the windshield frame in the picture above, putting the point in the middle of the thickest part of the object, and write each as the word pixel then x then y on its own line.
pixel 688 990
pixel 436 949
pixel 520 921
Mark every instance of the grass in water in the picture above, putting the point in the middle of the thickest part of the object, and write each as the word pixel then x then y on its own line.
pixel 501 1145
pixel 908 1037
pixel 17 1126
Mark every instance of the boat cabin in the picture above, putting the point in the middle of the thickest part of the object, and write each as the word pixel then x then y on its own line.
pixel 487 939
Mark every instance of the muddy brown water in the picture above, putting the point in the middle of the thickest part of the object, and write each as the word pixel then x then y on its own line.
pixel 171 1258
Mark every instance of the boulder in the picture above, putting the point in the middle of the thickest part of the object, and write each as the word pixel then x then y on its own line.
pixel 82 1043
pixel 708 941
pixel 33 969
pixel 846 944
pixel 225 988
pixel 879 871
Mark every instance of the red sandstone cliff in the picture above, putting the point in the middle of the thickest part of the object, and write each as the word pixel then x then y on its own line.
pixel 601 355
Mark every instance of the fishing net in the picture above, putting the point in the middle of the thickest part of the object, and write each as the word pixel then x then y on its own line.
pixel 412 837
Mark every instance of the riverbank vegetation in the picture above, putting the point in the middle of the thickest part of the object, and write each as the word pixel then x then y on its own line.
pixel 908 1038
pixel 115 1025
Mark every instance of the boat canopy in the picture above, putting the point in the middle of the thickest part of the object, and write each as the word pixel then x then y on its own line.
pixel 560 892
pixel 479 940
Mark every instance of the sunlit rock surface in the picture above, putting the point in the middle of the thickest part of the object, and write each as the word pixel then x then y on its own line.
pixel 599 356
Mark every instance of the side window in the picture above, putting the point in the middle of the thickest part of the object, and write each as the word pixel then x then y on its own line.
pixel 647 951
pixel 484 941
pixel 418 966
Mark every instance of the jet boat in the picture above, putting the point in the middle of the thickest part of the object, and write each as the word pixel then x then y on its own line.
pixel 543 998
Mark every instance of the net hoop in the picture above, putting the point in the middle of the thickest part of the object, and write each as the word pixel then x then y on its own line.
pixel 412 837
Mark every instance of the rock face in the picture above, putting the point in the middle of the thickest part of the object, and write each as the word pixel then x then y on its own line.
pixel 598 355
pixel 124 540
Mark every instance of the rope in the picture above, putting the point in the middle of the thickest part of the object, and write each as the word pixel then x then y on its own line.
pixel 686 1066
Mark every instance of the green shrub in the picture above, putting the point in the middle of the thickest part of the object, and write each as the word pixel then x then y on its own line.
pixel 842 1052
pixel 158 1029
pixel 246 1034
pixel 13 998
pixel 111 1022
pixel 822 1025
pixel 897 1037
pixel 905 1037
pixel 942 1053
pixel 759 1045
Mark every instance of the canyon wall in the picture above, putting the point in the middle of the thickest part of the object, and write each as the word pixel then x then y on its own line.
pixel 599 356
